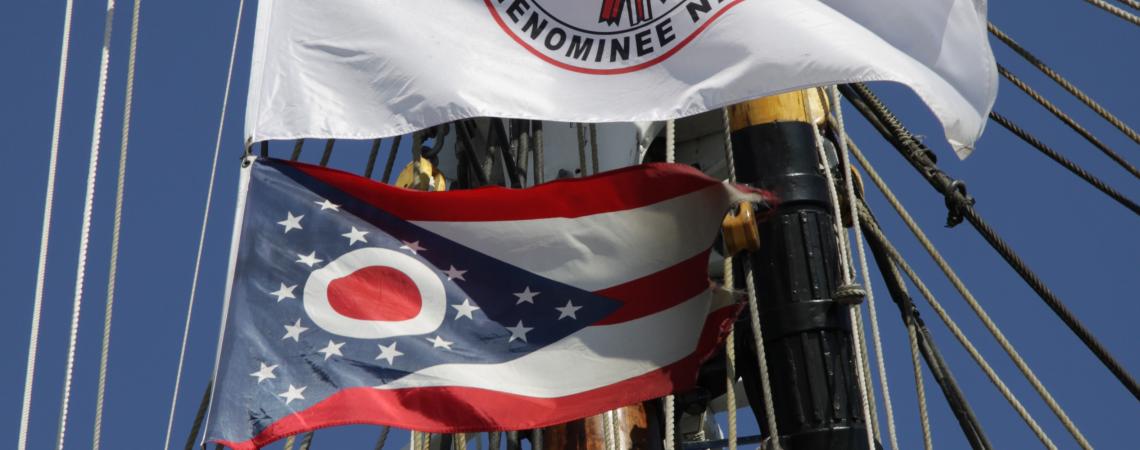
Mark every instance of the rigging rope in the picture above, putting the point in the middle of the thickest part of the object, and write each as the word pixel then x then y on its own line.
pixel 1115 10
pixel 1080 95
pixel 593 146
pixel 853 311
pixel 919 387
pixel 1131 3
pixel 202 230
pixel 972 301
pixel 372 153
pixel 961 336
pixel 383 437
pixel 916 153
pixel 85 232
pixel 670 141
pixel 1068 121
pixel 199 416
pixel 112 273
pixel 1071 166
pixel 41 266
pixel 864 271
pixel 730 356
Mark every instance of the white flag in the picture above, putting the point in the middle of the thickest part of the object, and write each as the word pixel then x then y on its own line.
pixel 357 69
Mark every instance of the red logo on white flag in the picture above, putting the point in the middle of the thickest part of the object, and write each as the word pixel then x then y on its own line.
pixel 625 36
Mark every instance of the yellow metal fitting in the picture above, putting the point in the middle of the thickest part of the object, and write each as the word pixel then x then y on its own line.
pixel 739 230
pixel 422 177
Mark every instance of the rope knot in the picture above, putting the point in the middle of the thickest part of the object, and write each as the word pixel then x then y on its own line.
pixel 957 200
pixel 850 294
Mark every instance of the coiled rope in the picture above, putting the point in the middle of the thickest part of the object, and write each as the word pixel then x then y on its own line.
pixel 972 301
pixel 1071 166
pixel 1068 121
pixel 85 232
pixel 45 232
pixel 112 273
pixel 202 230
pixel 1064 83
pixel 892 129
pixel 1116 11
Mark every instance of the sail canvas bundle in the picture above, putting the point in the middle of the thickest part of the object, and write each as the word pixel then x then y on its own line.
pixel 374 68
pixel 355 302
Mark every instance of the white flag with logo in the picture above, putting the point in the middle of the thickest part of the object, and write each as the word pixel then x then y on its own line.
pixel 374 68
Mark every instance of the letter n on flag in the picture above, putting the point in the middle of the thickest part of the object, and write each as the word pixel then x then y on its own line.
pixel 352 302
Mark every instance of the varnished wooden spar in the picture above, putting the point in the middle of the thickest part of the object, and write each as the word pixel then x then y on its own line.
pixel 637 428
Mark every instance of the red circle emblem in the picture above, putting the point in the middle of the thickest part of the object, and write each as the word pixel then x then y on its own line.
pixel 615 37
pixel 375 293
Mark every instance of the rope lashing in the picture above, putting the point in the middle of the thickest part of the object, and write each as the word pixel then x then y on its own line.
pixel 1064 83
pixel 45 231
pixel 917 154
pixel 973 302
pixel 85 230
pixel 1065 162
pixel 1068 121
pixel 205 224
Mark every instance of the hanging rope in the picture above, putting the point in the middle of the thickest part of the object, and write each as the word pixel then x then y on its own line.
pixel 973 302
pixel 961 336
pixel 45 232
pixel 593 146
pixel 383 437
pixel 670 414
pixel 730 358
pixel 113 266
pixel 919 386
pixel 85 232
pixel 1066 163
pixel 670 141
pixel 962 206
pixel 866 398
pixel 837 109
pixel 199 416
pixel 1116 11
pixel 1040 65
pixel 1068 121
pixel 202 229
pixel 761 356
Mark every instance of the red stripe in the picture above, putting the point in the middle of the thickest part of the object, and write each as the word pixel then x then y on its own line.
pixel 615 190
pixel 658 291
pixel 461 410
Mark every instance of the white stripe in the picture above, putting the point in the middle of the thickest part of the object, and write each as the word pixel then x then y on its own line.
pixel 601 250
pixel 590 359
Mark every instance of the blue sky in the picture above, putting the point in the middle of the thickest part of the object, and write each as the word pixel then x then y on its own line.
pixel 1084 245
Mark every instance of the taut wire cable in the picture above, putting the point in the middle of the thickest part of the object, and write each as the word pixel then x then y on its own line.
pixel 202 230
pixel 112 272
pixel 41 266
pixel 85 232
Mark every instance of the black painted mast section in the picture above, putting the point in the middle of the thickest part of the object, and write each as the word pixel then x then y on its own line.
pixel 807 333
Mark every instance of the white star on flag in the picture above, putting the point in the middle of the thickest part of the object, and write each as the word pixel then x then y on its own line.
pixel 355 236
pixel 526 296
pixel 309 260
pixel 293 393
pixel 294 331
pixel 518 332
pixel 333 349
pixel 389 353
pixel 455 274
pixel 568 311
pixel 328 205
pixel 291 222
pixel 465 309
pixel 413 247
pixel 264 373
pixel 284 292
pixel 438 342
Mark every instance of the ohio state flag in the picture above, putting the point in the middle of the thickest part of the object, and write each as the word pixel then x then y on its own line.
pixel 358 69
pixel 351 302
